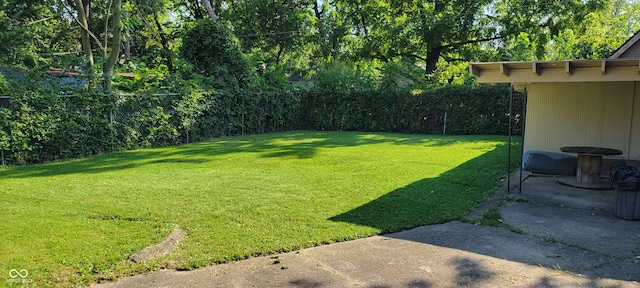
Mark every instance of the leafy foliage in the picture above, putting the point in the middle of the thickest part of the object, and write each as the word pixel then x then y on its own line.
pixel 598 37
pixel 305 35
pixel 39 125
pixel 214 52
pixel 454 109
pixel 45 121
pixel 17 49
pixel 4 86
pixel 278 31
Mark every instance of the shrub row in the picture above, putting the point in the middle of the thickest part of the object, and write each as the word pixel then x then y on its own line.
pixel 38 125
pixel 462 110
pixel 38 129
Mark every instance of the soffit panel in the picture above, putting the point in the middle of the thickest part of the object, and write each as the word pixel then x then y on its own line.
pixel 556 71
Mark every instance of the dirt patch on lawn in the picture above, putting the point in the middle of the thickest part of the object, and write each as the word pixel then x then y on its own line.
pixel 167 245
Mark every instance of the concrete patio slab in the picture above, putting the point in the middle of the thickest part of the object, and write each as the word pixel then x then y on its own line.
pixel 570 238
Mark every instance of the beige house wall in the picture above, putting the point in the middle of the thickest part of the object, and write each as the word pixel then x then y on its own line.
pixel 602 114
pixel 634 141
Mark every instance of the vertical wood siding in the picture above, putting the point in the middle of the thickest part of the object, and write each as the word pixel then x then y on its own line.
pixel 634 129
pixel 583 114
pixel 632 53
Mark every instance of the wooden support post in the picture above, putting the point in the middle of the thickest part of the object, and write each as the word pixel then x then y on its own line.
pixel 474 70
pixel 504 70
pixel 536 68
pixel 588 171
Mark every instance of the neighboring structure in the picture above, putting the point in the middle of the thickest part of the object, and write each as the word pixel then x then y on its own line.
pixel 576 102
pixel 629 50
pixel 64 78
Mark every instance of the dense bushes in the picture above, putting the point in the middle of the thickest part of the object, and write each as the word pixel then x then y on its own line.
pixel 451 109
pixel 343 99
pixel 38 125
pixel 213 51
pixel 214 96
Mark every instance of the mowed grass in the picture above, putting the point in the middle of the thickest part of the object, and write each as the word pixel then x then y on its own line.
pixel 77 222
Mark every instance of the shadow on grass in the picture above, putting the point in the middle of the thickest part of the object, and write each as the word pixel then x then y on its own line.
pixel 447 197
pixel 450 197
pixel 299 144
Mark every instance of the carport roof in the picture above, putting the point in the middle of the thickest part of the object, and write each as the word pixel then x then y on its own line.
pixel 604 70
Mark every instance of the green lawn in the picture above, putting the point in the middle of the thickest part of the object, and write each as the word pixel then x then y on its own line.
pixel 76 222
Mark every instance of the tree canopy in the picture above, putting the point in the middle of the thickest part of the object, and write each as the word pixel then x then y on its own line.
pixel 302 36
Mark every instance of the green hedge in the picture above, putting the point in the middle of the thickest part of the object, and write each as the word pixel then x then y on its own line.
pixel 38 125
pixel 468 110
pixel 42 126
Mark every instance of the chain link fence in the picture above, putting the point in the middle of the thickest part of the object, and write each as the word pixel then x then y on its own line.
pixel 35 128
pixel 143 120
pixel 70 126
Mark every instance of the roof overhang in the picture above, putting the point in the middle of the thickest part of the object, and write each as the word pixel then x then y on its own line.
pixel 605 70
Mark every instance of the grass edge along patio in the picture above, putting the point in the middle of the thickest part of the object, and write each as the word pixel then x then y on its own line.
pixel 76 222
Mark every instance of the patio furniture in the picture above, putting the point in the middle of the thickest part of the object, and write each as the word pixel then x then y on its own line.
pixel 545 162
pixel 588 166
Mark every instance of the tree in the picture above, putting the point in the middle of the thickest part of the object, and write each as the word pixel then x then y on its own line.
pixel 296 35
pixel 275 32
pixel 542 20
pixel 31 34
pixel 110 63
pixel 213 51
pixel 332 37
pixel 192 9
pixel 212 14
pixel 601 32
pixel 83 21
pixel 427 31
pixel 81 7
pixel 421 30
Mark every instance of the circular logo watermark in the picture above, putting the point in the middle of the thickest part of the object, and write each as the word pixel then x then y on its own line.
pixel 14 273
pixel 18 276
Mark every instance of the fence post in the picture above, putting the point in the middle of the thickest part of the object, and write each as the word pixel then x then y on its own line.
pixel 113 149
pixel 444 127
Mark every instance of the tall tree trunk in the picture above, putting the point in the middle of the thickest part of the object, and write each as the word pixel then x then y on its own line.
pixel 165 44
pixel 86 6
pixel 212 14
pixel 84 32
pixel 279 54
pixel 317 11
pixel 115 45
pixel 433 56
pixel 364 23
